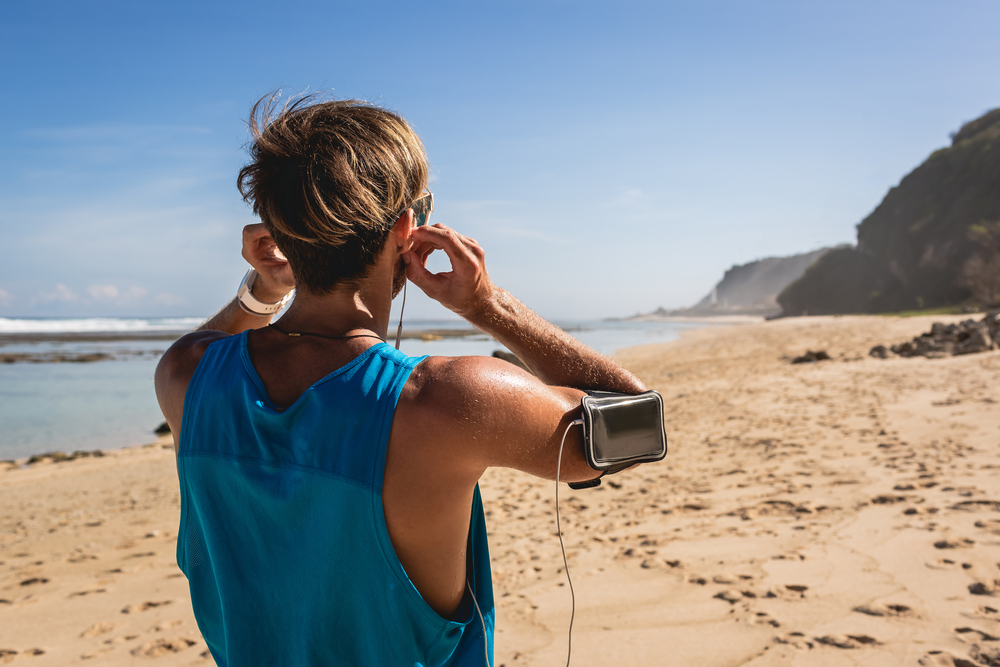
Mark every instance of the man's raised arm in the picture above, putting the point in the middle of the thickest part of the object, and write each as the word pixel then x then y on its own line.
pixel 553 355
pixel 273 283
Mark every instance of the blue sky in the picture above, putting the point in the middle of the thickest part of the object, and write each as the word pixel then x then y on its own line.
pixel 611 158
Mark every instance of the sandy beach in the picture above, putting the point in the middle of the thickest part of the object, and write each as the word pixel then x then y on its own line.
pixel 845 512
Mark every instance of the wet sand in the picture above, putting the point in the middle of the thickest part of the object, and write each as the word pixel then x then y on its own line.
pixel 841 512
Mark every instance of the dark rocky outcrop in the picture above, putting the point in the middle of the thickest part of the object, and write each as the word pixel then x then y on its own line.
pixel 945 340
pixel 912 247
pixel 53 357
pixel 810 357
pixel 59 457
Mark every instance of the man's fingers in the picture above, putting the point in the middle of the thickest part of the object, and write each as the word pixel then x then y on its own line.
pixel 258 246
pixel 448 240
pixel 418 273
pixel 254 232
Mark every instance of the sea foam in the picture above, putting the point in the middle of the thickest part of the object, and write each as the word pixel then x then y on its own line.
pixel 97 324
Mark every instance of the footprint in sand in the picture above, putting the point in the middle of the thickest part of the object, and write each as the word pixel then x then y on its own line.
pixel 954 544
pixel 130 609
pixel 941 564
pixel 796 639
pixel 985 656
pixel 984 588
pixel 989 613
pixel 87 592
pixel 79 558
pixel 788 592
pixel 165 625
pixel 941 659
pixel 848 641
pixel 972 634
pixel 94 654
pixel 161 647
pixel 763 617
pixel 885 610
pixel 992 525
pixel 34 580
pixel 98 629
pixel 10 655
pixel 729 595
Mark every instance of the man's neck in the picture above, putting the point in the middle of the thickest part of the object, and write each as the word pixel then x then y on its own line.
pixel 364 306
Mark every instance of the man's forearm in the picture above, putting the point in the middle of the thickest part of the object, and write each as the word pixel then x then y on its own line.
pixel 234 320
pixel 553 355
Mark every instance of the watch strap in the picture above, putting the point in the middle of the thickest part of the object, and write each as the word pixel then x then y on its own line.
pixel 253 305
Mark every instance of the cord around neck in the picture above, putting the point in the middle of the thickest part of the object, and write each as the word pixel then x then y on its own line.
pixel 306 333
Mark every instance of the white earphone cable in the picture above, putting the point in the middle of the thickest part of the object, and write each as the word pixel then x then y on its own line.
pixel 562 545
pixel 399 329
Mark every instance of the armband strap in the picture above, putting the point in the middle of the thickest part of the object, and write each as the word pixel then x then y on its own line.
pixel 589 484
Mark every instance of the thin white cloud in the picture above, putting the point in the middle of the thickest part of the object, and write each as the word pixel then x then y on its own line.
pixel 134 293
pixel 6 298
pixel 60 293
pixel 111 293
pixel 103 292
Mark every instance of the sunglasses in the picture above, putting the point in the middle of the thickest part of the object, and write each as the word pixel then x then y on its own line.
pixel 422 207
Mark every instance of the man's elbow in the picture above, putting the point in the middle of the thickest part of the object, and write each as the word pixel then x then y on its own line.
pixel 634 385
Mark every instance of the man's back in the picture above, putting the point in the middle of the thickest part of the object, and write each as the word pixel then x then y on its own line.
pixel 338 186
pixel 282 532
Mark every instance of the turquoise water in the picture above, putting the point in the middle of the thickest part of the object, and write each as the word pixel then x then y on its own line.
pixel 110 404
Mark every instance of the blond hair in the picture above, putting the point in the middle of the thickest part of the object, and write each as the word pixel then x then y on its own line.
pixel 327 179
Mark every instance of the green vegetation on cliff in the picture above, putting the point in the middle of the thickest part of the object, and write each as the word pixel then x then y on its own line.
pixel 913 248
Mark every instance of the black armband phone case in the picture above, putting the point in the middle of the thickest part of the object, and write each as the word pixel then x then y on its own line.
pixel 620 430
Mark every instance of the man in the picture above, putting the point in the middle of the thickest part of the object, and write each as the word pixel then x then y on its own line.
pixel 328 480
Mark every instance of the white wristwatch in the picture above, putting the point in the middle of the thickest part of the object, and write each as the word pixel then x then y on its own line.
pixel 250 303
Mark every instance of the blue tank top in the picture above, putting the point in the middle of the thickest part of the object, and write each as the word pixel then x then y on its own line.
pixel 282 535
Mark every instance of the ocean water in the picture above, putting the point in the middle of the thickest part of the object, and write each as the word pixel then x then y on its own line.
pixel 110 404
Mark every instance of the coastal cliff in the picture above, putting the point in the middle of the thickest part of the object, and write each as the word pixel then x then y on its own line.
pixel 912 248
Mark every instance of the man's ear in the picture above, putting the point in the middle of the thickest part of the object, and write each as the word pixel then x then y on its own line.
pixel 403 229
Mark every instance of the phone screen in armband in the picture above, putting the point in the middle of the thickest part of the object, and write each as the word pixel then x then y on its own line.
pixel 621 430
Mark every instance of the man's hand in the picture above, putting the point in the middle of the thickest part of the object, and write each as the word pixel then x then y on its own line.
pixel 467 286
pixel 260 251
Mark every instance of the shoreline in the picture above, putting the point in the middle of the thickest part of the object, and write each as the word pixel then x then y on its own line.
pixel 61 355
pixel 707 319
pixel 122 336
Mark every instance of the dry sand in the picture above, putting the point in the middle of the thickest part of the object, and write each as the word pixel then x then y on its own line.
pixel 845 512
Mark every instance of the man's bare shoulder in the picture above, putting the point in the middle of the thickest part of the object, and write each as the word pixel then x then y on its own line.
pixel 174 372
pixel 482 394
pixel 457 384
pixel 182 358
